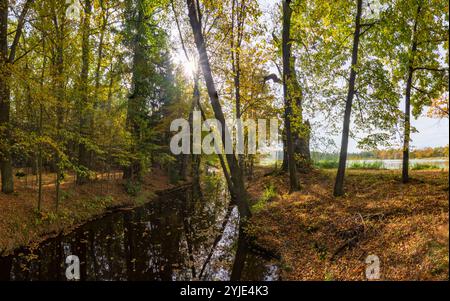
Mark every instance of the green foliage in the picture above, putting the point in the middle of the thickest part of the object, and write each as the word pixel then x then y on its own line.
pixel 326 164
pixel 269 193
pixel 366 165
pixel 424 166
pixel 133 187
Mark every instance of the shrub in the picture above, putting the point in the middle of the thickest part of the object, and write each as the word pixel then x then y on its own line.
pixel 326 164
pixel 132 188
pixel 268 194
pixel 424 166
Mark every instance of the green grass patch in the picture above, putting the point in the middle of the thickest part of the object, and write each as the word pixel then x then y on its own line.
pixel 326 164
pixel 424 166
pixel 269 193
pixel 376 165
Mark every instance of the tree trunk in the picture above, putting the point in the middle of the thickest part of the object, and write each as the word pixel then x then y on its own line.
pixel 238 14
pixel 287 77
pixel 40 130
pixel 196 159
pixel 58 22
pixel 241 196
pixel 6 168
pixel 5 159
pixel 339 185
pixel 84 111
pixel 41 111
pixel 100 55
pixel 136 102
pixel 407 135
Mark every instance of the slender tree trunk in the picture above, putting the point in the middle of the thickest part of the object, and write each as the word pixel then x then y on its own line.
pixel 41 109
pixel 85 113
pixel 58 22
pixel 339 185
pixel 195 160
pixel 287 77
pixel 407 125
pixel 237 21
pixel 241 196
pixel 41 112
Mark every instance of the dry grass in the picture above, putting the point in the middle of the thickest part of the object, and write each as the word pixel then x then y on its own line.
pixel 21 224
pixel 324 238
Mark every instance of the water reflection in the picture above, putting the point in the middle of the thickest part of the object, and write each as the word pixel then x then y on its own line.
pixel 176 237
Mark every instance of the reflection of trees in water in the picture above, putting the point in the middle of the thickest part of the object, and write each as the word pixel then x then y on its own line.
pixel 179 237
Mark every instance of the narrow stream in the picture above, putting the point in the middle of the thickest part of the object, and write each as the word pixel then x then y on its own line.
pixel 171 238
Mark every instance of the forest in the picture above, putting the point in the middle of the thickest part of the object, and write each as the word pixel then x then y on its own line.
pixel 90 90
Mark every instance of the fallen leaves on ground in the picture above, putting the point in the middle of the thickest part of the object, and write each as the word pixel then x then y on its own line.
pixel 324 238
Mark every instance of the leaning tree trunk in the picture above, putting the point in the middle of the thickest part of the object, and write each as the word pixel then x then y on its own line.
pixel 287 87
pixel 339 185
pixel 239 189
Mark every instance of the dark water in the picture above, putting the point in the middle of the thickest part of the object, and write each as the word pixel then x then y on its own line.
pixel 171 238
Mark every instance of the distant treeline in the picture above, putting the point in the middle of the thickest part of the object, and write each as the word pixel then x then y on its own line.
pixel 428 152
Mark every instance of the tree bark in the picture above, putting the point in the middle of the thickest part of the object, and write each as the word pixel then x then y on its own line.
pixel 40 129
pixel 301 139
pixel 407 125
pixel 287 77
pixel 59 83
pixel 85 113
pixel 136 102
pixel 237 19
pixel 339 185
pixel 241 196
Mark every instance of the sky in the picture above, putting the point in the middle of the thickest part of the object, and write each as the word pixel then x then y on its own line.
pixel 430 132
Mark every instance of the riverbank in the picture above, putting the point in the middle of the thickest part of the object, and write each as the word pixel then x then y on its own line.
pixel 320 237
pixel 22 225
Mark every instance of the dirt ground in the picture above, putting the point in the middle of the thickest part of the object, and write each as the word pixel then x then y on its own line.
pixel 21 224
pixel 320 237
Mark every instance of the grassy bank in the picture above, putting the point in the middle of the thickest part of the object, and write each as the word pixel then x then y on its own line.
pixel 423 166
pixel 332 164
pixel 320 237
pixel 21 224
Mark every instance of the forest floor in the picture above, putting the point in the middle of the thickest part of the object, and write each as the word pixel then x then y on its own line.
pixel 320 237
pixel 22 225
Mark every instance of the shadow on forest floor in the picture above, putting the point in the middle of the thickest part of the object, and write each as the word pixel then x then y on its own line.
pixel 325 238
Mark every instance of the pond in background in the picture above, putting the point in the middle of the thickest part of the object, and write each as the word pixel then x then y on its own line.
pixel 397 164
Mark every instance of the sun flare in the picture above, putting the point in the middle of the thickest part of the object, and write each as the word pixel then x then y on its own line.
pixel 189 67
